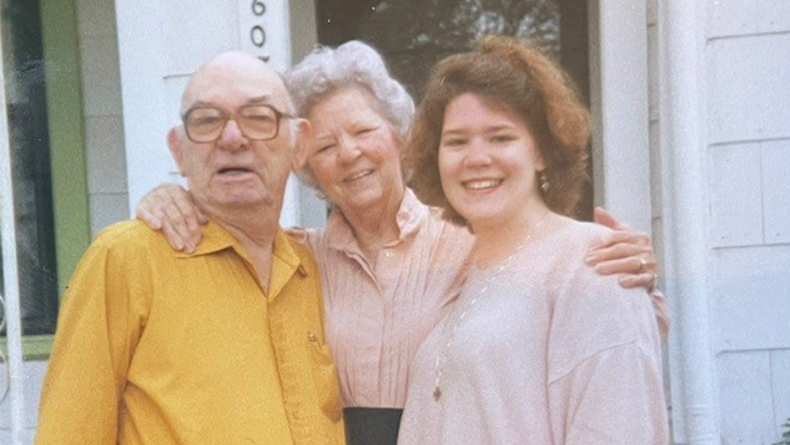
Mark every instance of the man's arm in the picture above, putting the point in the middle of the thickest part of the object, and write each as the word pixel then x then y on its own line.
pixel 624 251
pixel 98 328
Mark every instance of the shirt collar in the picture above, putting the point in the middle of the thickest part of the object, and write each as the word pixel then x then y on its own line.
pixel 217 238
pixel 409 218
pixel 214 238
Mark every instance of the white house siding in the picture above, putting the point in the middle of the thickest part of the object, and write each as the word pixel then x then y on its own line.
pixel 34 375
pixel 102 108
pixel 747 74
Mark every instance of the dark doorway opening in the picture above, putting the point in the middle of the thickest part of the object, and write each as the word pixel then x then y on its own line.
pixel 412 35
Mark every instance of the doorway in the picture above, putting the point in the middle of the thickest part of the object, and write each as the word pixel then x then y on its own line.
pixel 412 35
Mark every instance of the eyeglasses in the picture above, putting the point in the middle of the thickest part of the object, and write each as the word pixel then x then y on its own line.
pixel 256 122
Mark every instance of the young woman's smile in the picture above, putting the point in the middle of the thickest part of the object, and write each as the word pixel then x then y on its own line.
pixel 488 161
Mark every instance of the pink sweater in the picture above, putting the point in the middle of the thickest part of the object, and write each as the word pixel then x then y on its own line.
pixel 550 353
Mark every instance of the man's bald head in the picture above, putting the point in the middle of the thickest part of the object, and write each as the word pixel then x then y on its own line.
pixel 230 70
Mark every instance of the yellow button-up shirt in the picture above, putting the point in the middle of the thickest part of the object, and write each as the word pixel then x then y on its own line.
pixel 158 347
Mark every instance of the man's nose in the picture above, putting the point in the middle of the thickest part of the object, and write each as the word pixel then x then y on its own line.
pixel 232 137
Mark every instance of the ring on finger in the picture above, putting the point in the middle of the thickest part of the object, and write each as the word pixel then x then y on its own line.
pixel 642 264
pixel 655 282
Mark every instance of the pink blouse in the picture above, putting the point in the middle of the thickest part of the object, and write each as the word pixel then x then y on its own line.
pixel 377 317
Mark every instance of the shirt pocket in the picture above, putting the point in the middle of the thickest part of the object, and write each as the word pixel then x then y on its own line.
pixel 325 379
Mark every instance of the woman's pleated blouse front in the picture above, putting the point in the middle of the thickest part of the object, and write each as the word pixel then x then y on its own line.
pixel 377 315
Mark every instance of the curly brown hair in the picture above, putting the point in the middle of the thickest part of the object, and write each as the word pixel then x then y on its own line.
pixel 515 74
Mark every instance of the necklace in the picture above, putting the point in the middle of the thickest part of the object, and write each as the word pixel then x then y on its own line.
pixel 443 355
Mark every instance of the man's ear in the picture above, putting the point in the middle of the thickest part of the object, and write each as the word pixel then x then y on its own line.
pixel 304 143
pixel 175 142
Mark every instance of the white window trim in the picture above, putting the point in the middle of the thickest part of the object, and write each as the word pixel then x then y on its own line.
pixel 15 372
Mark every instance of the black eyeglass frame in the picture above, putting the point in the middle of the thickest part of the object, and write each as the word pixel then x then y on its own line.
pixel 278 115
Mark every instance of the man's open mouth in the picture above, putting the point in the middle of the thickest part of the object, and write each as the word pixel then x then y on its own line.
pixel 233 171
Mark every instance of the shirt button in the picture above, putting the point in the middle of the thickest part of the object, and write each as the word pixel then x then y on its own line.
pixel 388 254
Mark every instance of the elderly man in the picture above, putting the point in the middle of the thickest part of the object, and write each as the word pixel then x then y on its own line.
pixel 221 346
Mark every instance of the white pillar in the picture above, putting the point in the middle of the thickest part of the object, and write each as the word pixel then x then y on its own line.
pixel 265 30
pixel 684 205
pixel 619 102
pixel 15 373
pixel 147 109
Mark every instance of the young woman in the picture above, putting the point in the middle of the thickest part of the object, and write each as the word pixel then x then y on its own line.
pixel 538 349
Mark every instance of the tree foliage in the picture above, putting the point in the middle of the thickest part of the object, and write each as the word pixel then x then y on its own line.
pixel 414 34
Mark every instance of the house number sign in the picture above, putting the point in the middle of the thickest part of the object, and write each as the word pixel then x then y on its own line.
pixel 264 31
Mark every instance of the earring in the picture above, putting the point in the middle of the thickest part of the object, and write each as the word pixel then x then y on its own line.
pixel 544 181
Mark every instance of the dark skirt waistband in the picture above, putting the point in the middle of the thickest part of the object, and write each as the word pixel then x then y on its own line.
pixel 372 426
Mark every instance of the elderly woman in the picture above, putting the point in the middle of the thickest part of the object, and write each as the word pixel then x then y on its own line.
pixel 538 349
pixel 391 266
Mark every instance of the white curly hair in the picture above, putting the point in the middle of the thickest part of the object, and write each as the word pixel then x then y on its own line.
pixel 352 64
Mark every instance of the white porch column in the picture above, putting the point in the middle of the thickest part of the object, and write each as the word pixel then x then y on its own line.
pixel 684 210
pixel 619 102
pixel 11 309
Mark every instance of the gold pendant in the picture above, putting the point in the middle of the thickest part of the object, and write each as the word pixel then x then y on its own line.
pixel 437 393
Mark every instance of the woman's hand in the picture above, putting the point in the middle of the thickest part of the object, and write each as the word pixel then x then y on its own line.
pixel 170 208
pixel 624 251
